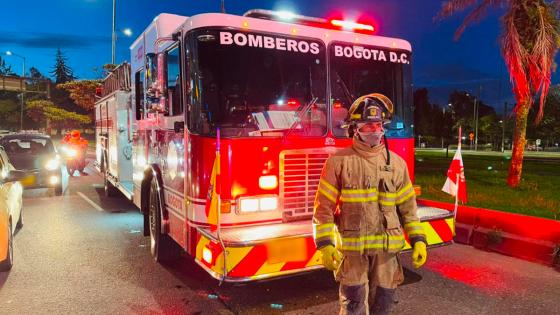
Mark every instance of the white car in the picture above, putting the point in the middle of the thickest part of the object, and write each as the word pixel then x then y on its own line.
pixel 11 204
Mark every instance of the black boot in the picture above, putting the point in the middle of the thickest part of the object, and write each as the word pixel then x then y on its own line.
pixel 383 303
pixel 352 300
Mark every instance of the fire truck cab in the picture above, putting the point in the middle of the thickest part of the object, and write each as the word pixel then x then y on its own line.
pixel 272 91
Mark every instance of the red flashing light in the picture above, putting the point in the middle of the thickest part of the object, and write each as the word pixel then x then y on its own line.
pixel 293 102
pixel 353 25
pixel 337 105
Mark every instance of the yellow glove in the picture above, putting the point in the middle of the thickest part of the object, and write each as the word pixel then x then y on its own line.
pixel 419 254
pixel 331 257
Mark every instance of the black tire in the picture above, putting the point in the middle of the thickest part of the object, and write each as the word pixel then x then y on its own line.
pixel 9 261
pixel 109 188
pixel 58 190
pixel 19 223
pixel 162 247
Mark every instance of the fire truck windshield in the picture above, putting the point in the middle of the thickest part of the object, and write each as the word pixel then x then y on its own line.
pixel 256 85
pixel 361 70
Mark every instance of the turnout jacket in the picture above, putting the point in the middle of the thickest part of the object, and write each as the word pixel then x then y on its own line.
pixel 362 204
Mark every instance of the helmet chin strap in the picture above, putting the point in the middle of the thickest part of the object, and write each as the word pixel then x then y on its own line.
pixel 388 165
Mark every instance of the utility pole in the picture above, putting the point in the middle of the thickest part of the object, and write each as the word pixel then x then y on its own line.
pixel 22 96
pixel 476 105
pixel 504 126
pixel 114 35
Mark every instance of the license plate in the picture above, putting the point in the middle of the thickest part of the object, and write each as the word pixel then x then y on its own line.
pixel 28 180
pixel 285 250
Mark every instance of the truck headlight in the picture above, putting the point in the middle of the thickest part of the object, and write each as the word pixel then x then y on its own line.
pixel 268 182
pixel 254 204
pixel 52 164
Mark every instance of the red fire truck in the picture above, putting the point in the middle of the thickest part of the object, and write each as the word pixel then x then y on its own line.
pixel 276 87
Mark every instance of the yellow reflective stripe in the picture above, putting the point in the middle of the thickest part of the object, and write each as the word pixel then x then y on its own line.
pixel 327 194
pixel 414 228
pixel 359 191
pixel 329 186
pixel 373 242
pixel 362 238
pixel 324 234
pixel 360 199
pixel 386 203
pixel 324 226
pixel 404 189
pixel 406 197
pixel 388 194
pixel 413 225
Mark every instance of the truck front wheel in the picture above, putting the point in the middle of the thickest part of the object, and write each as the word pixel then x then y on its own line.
pixel 162 247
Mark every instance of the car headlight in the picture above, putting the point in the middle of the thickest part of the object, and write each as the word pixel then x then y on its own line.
pixel 52 164
pixel 69 151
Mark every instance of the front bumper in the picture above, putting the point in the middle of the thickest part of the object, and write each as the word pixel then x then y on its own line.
pixel 277 250
pixel 41 179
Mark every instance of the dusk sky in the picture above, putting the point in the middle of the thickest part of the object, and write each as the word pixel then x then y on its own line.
pixel 82 29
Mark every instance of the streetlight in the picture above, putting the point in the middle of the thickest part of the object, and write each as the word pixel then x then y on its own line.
pixel 10 53
pixel 114 34
pixel 127 32
pixel 475 117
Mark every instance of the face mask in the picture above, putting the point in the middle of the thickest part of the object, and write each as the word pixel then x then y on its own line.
pixel 371 138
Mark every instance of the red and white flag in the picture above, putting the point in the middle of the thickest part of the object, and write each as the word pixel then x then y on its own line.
pixel 456 184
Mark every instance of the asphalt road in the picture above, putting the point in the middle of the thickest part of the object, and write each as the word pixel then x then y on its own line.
pixel 84 254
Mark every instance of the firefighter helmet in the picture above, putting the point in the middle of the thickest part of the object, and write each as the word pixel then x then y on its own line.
pixel 373 107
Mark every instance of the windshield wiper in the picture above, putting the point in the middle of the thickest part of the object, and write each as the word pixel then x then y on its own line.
pixel 300 115
pixel 345 89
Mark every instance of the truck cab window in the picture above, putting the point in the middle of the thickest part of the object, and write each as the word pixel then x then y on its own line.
pixel 139 94
pixel 174 82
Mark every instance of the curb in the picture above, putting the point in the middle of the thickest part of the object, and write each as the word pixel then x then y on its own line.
pixel 530 238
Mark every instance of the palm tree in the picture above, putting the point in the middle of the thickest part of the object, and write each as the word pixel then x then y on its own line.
pixel 529 42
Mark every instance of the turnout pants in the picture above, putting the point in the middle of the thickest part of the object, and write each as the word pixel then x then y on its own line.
pixel 374 275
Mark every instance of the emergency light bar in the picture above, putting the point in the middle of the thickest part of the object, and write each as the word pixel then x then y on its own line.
pixel 284 16
pixel 352 25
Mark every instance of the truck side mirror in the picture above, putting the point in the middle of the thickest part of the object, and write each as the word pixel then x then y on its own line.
pixel 156 93
pixel 13 176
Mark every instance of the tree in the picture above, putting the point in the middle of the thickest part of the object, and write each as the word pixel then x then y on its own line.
pixel 4 68
pixel 9 111
pixel 423 123
pixel 35 74
pixel 82 92
pixel 61 71
pixel 529 43
pixel 45 112
pixel 549 128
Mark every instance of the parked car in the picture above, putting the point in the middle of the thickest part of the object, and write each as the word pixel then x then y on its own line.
pixel 36 155
pixel 11 214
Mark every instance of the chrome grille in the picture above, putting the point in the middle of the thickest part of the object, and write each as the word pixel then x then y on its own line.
pixel 300 171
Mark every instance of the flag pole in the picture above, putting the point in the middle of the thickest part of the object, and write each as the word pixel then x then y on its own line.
pixel 458 181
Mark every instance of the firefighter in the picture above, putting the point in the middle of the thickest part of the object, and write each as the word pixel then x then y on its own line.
pixel 80 145
pixel 364 196
pixel 77 141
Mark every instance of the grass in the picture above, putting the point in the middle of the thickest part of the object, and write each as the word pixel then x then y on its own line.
pixel 537 195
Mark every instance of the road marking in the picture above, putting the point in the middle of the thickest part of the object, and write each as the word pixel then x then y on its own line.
pixel 93 204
